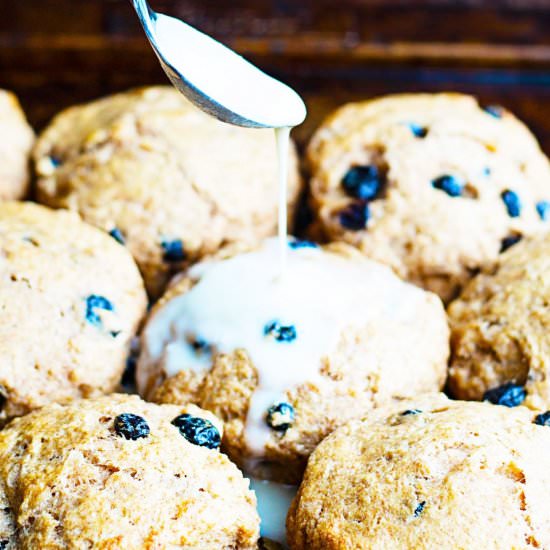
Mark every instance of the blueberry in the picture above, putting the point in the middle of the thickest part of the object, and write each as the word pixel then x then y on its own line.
pixel 418 131
pixel 508 395
pixel 486 171
pixel 363 182
pixel 449 184
pixel 496 111
pixel 281 333
pixel 94 302
pixel 131 426
pixel 56 161
pixel 409 412
pixel 512 202
pixel 200 345
pixel 299 243
pixel 173 251
pixel 198 431
pixel 419 509
pixel 280 416
pixel 508 242
pixel 543 419
pixel 4 544
pixel 355 216
pixel 116 233
pixel 543 210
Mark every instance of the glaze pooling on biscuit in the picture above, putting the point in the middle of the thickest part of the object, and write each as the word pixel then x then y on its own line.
pixel 323 298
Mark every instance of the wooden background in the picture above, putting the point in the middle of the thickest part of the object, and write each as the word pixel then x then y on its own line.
pixel 54 53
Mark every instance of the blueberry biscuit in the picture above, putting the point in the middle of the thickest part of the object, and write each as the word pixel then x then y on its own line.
pixel 435 186
pixel 116 472
pixel 71 299
pixel 285 360
pixel 168 181
pixel 16 140
pixel 427 474
pixel 500 330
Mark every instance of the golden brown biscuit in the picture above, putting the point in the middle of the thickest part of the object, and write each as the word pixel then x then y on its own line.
pixel 501 327
pixel 424 474
pixel 116 472
pixel 169 181
pixel 430 184
pixel 393 341
pixel 71 300
pixel 16 140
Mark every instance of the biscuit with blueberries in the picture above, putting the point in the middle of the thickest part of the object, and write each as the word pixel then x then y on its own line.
pixel 284 360
pixel 116 472
pixel 71 300
pixel 16 140
pixel 433 185
pixel 431 473
pixel 168 181
pixel 500 330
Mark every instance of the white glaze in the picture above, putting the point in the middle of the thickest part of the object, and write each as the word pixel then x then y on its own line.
pixel 320 294
pixel 282 138
pixel 274 500
pixel 226 77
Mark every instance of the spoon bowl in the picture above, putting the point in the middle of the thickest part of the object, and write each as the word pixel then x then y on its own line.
pixel 215 78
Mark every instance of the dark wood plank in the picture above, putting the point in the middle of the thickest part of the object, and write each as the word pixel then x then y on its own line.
pixel 55 53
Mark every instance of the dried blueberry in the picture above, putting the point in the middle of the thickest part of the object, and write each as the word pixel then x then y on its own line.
pixel 56 161
pixel 131 426
pixel 512 202
pixel 280 416
pixel 299 243
pixel 508 395
pixel 93 303
pixel 409 412
pixel 281 333
pixel 508 242
pixel 496 111
pixel 419 509
pixel 116 233
pixel 363 182
pixel 198 431
pixel 543 210
pixel 449 184
pixel 418 131
pixel 355 216
pixel 173 251
pixel 543 419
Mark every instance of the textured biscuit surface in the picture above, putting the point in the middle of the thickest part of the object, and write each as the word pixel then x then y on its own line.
pixel 397 351
pixel 16 140
pixel 501 326
pixel 432 185
pixel 446 474
pixel 175 183
pixel 71 299
pixel 69 481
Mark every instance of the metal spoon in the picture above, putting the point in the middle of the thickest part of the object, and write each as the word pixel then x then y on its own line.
pixel 215 78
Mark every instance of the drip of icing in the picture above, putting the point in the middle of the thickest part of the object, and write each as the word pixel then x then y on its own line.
pixel 274 500
pixel 282 136
pixel 235 299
